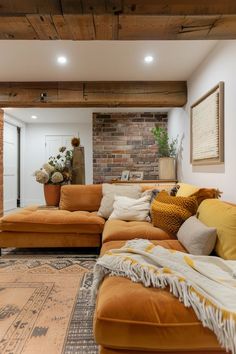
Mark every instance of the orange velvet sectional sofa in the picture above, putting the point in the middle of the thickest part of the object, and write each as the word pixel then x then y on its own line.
pixel 129 318
pixel 74 224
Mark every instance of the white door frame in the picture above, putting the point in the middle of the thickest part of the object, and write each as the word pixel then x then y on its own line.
pixel 10 120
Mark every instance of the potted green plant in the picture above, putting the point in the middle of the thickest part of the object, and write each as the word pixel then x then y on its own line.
pixel 167 150
pixel 53 174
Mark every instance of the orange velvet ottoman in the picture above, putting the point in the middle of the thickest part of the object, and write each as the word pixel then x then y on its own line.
pixel 130 318
pixel 35 227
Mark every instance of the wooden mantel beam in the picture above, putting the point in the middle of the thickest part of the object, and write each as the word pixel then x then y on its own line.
pixel 93 94
pixel 118 19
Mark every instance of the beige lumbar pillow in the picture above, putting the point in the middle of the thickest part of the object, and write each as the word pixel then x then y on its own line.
pixel 109 191
pixel 196 237
pixel 130 209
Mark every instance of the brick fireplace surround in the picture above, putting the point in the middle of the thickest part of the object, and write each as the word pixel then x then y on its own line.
pixel 123 141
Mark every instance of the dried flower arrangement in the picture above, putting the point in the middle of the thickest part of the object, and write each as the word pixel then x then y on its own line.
pixel 57 170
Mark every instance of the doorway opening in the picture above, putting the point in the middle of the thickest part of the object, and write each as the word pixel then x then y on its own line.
pixel 12 165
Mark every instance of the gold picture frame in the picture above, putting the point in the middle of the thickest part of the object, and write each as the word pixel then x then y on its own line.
pixel 207 128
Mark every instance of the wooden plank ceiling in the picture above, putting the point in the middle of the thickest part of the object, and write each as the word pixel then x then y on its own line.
pixel 93 94
pixel 118 19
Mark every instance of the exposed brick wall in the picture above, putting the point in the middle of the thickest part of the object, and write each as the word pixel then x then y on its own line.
pixel 123 141
pixel 1 162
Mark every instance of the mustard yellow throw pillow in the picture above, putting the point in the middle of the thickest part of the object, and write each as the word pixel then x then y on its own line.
pixel 186 190
pixel 222 216
pixel 168 213
pixel 189 203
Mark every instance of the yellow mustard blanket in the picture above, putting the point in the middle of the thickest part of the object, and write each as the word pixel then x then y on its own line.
pixel 206 283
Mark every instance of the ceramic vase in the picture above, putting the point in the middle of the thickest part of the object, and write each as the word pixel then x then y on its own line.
pixel 52 194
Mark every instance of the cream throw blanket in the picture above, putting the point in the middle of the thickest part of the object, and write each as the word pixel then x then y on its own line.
pixel 208 284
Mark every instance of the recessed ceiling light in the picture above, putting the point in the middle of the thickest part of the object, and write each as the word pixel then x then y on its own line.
pixel 62 60
pixel 148 59
pixel 34 117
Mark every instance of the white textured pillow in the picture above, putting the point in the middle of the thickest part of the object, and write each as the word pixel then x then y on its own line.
pixel 130 209
pixel 196 237
pixel 110 190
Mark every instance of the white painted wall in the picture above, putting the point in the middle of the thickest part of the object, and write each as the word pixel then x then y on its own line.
pixel 18 123
pixel 218 66
pixel 10 170
pixel 35 153
pixel 176 129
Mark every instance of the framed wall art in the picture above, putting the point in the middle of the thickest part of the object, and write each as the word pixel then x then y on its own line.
pixel 207 128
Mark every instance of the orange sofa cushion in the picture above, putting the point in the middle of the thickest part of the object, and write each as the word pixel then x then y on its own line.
pixel 171 244
pixel 103 350
pixel 127 230
pixel 33 219
pixel 48 239
pixel 130 316
pixel 81 197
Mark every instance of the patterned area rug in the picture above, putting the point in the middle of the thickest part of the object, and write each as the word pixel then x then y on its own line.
pixel 45 304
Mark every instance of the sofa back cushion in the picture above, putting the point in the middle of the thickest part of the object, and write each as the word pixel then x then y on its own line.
pixel 109 192
pixel 81 197
pixel 222 216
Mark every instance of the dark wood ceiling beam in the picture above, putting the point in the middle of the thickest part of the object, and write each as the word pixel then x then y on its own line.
pixel 139 7
pixel 44 26
pixel 16 27
pixel 177 27
pixel 123 27
pixel 93 94
pixel 24 7
pixel 116 19
pixel 180 7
